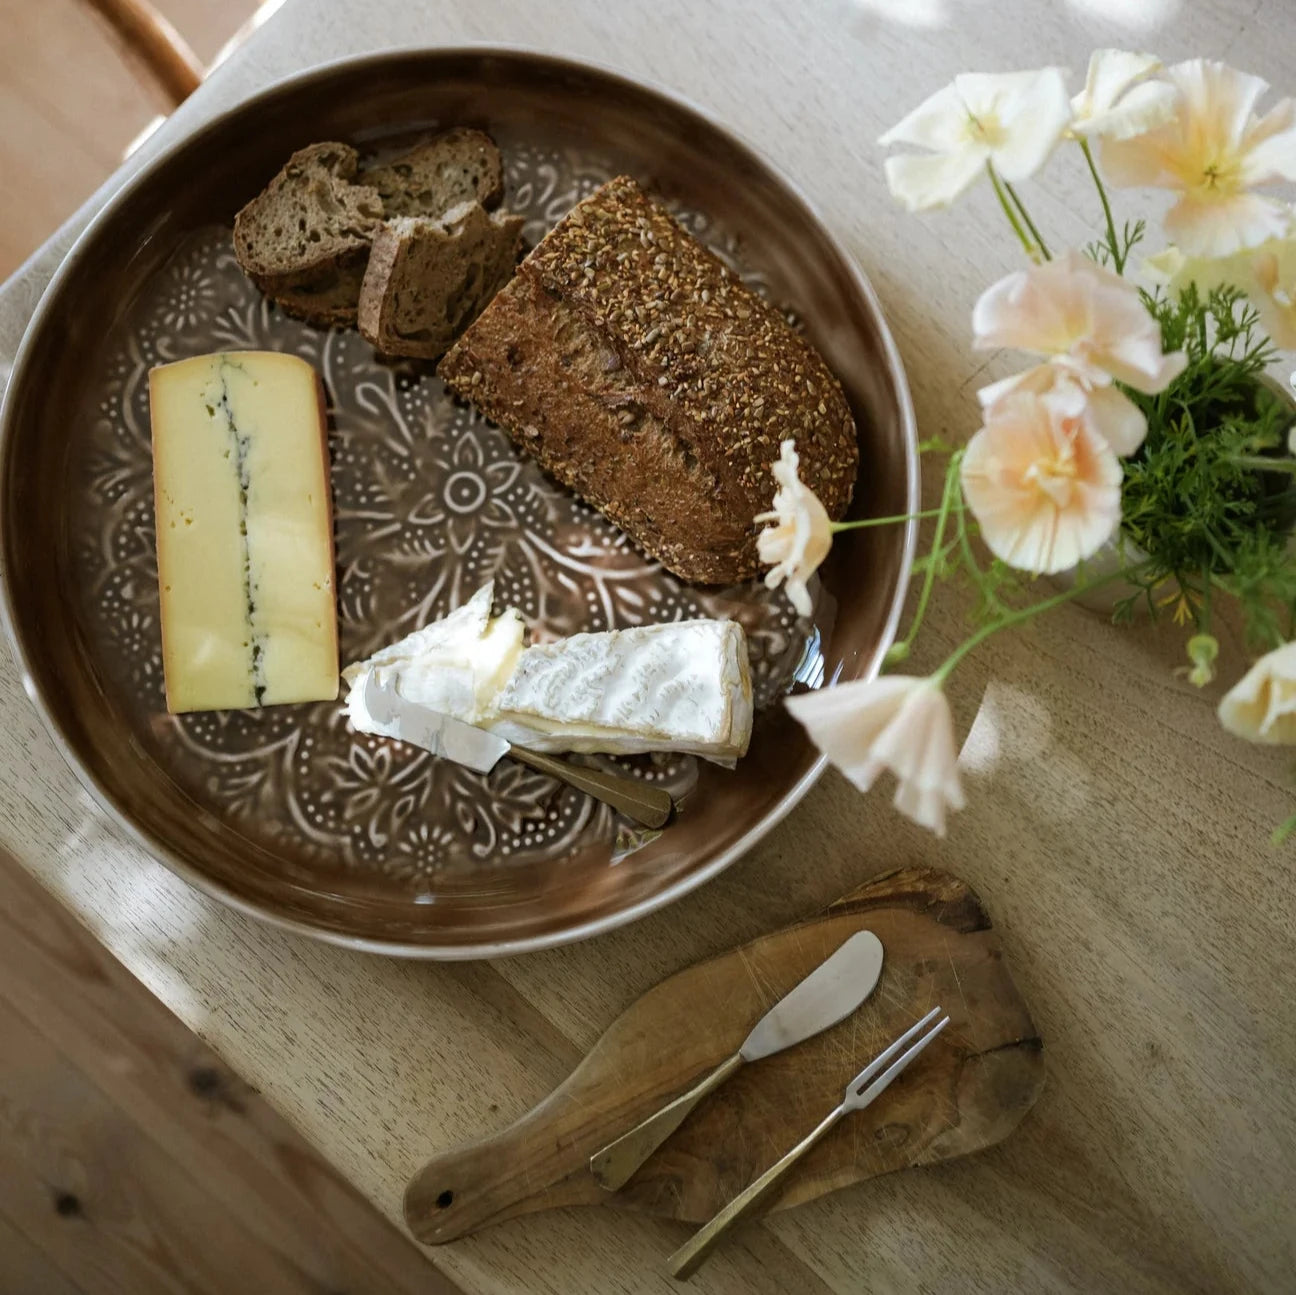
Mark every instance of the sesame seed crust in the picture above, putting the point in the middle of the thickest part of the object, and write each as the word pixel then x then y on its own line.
pixel 645 375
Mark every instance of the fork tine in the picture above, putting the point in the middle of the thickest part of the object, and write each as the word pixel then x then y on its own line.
pixel 883 1081
pixel 883 1057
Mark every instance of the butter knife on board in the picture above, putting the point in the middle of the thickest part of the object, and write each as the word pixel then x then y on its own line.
pixel 830 993
pixel 475 748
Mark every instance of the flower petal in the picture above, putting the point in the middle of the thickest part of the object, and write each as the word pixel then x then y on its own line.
pixel 1217 227
pixel 1043 485
pixel 801 535
pixel 1138 161
pixel 1111 72
pixel 921 181
pixel 938 123
pixel 1271 144
pixel 894 722
pixel 1087 318
pixel 1069 395
pixel 1117 419
pixel 844 721
pixel 1019 312
pixel 1261 706
pixel 1144 108
pixel 1026 114
pixel 1274 297
pixel 1217 99
pixel 1213 151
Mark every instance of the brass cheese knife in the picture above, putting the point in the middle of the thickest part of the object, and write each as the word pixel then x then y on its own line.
pixel 475 748
pixel 830 993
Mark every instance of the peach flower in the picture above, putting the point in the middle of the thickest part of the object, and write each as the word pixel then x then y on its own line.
pixel 1261 706
pixel 801 535
pixel 1092 325
pixel 1043 484
pixel 1213 152
pixel 894 722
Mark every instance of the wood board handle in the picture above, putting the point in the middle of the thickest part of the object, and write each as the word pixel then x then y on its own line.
pixel 458 1192
pixel 478 1183
pixel 617 1162
pixel 941 946
pixel 693 1253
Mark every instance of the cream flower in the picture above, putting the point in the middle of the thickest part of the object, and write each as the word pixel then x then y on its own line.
pixel 1117 100
pixel 1042 483
pixel 1261 706
pixel 1012 120
pixel 1267 274
pixel 1093 325
pixel 1274 293
pixel 894 722
pixel 801 535
pixel 1213 152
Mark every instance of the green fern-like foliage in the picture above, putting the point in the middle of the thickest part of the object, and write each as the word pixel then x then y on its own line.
pixel 1199 498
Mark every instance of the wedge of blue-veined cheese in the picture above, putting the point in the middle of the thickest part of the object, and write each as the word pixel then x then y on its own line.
pixel 681 686
pixel 244 531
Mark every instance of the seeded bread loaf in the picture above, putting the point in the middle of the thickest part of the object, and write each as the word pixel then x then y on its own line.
pixel 644 375
pixel 304 240
pixel 429 277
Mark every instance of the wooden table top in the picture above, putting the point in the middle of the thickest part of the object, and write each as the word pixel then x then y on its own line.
pixel 1117 837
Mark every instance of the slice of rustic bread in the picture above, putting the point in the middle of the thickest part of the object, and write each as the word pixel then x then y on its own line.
pixel 648 378
pixel 460 165
pixel 429 278
pixel 304 240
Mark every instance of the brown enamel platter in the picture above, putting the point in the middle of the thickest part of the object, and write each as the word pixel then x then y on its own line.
pixel 283 814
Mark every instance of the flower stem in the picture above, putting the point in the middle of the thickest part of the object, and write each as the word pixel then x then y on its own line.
pixel 1030 224
pixel 1283 830
pixel 887 521
pixel 1026 613
pixel 1118 261
pixel 1013 220
pixel 1262 464
pixel 929 579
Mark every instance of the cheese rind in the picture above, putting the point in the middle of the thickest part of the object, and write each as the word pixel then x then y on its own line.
pixel 678 686
pixel 681 686
pixel 456 665
pixel 244 531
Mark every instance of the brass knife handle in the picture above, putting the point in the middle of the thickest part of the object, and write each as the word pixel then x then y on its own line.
pixel 615 1165
pixel 651 806
pixel 693 1253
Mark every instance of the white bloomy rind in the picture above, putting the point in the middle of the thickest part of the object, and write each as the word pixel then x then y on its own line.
pixel 682 686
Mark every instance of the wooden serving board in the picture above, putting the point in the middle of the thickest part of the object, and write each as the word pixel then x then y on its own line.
pixel 966 1092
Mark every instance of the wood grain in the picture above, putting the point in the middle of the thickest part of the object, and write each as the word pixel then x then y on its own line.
pixel 153 42
pixel 73 98
pixel 969 1091
pixel 132 1160
pixel 1116 834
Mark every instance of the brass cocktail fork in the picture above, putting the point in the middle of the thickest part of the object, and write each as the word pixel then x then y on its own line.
pixel 861 1090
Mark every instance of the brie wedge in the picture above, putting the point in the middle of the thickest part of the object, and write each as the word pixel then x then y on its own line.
pixel 681 686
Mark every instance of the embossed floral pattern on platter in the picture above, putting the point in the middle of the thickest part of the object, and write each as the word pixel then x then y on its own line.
pixel 430 502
